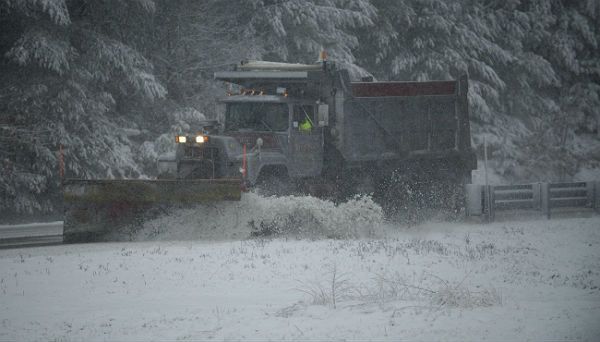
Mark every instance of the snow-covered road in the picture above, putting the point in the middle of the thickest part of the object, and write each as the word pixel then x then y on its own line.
pixel 535 280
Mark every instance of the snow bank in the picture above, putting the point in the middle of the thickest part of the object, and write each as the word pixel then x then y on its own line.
pixel 300 216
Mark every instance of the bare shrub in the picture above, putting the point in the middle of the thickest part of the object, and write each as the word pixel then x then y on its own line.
pixel 462 297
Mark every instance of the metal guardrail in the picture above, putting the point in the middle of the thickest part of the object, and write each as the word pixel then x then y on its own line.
pixel 31 234
pixel 485 200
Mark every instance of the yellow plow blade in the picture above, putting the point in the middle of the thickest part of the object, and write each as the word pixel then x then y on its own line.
pixel 106 210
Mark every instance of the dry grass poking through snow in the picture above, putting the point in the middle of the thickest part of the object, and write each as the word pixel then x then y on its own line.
pixel 430 291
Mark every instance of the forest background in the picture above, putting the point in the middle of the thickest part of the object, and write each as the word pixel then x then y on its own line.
pixel 114 80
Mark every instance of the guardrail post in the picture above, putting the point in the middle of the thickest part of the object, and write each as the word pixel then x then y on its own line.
pixel 484 203
pixel 545 198
pixel 597 196
pixel 492 204
pixel 536 189
pixel 489 202
pixel 590 192
pixel 475 202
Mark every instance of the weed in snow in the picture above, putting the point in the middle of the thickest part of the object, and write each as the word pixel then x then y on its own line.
pixel 336 288
pixel 387 290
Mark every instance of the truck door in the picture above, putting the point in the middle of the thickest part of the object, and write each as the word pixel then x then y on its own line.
pixel 305 149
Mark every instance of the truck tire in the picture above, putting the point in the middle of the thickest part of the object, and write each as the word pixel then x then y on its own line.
pixel 274 181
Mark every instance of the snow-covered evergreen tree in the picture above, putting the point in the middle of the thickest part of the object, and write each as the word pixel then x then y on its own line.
pixel 64 80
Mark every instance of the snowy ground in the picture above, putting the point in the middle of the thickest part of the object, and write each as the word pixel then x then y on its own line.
pixel 533 280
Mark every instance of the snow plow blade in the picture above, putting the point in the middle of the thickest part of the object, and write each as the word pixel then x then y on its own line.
pixel 112 210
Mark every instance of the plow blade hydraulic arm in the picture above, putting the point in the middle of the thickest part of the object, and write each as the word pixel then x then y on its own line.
pixel 104 210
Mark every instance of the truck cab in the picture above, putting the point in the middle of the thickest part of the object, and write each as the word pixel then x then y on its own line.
pixel 258 136
pixel 271 125
pixel 280 135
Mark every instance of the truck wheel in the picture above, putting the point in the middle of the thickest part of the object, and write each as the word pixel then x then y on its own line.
pixel 274 181
pixel 409 199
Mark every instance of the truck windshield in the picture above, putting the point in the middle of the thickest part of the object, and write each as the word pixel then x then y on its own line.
pixel 257 117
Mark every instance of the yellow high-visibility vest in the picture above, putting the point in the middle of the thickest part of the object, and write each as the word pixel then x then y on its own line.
pixel 305 126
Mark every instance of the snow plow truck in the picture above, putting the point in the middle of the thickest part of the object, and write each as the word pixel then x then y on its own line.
pixel 301 128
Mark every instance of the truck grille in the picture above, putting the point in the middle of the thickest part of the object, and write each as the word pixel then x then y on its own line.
pixel 203 152
pixel 200 162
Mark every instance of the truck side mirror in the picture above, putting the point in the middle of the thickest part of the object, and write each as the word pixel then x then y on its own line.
pixel 323 115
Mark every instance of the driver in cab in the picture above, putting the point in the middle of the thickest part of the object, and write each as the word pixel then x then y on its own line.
pixel 306 125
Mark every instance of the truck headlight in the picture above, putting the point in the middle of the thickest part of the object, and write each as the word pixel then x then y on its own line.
pixel 182 139
pixel 200 139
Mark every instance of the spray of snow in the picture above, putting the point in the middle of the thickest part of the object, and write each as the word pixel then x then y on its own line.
pixel 300 216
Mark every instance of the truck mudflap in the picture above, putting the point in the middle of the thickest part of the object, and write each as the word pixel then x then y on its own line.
pixel 112 210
